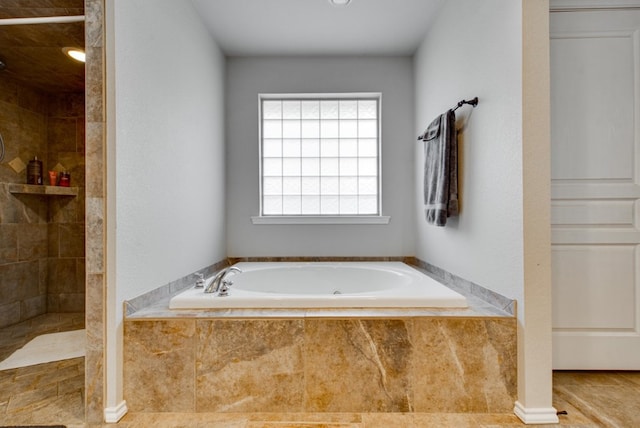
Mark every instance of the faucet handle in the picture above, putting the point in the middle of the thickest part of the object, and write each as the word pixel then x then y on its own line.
pixel 224 289
pixel 200 280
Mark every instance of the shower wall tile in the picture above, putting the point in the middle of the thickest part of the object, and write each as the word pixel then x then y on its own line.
pixel 34 306
pixel 23 234
pixel 71 240
pixel 9 314
pixel 62 135
pixel 66 302
pixel 236 360
pixel 32 100
pixel 66 281
pixel 61 276
pixel 32 241
pixel 66 105
pixel 43 267
pixel 66 285
pixel 38 228
pixel 17 208
pixel 53 240
pixel 64 210
pixel 8 91
pixel 18 282
pixel 8 243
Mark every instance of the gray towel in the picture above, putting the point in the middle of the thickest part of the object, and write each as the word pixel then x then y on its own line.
pixel 441 169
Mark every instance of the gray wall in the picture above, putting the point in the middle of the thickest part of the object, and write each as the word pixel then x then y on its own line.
pixel 483 58
pixel 246 78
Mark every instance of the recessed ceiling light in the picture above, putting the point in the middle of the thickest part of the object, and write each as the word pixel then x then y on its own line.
pixel 75 53
pixel 339 2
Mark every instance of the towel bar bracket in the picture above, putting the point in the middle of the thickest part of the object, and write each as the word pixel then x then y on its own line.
pixel 472 102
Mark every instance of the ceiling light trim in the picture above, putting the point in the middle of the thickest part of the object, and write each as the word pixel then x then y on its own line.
pixel 340 3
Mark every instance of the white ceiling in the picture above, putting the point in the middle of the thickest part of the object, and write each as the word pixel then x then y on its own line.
pixel 316 27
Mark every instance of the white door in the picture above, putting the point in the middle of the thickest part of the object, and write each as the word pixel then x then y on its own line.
pixel 595 169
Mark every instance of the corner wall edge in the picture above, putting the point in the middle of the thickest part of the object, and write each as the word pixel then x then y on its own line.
pixel 113 414
pixel 536 415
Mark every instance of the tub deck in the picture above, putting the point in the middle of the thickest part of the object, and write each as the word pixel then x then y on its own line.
pixel 325 285
pixel 409 360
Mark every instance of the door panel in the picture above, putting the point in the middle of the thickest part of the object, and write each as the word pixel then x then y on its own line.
pixel 581 305
pixel 595 73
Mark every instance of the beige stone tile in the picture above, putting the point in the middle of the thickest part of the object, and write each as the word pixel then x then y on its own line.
pixel 464 365
pixel 94 179
pixel 159 361
pixel 418 420
pixel 287 424
pixel 573 416
pixel 183 420
pixel 31 399
pixel 326 417
pixel 66 409
pixel 94 236
pixel 357 365
pixel 247 365
pixel 606 405
pixel 633 377
pixel 8 243
pixel 94 385
pixel 61 134
pixel 593 378
pixel 32 241
pixel 496 419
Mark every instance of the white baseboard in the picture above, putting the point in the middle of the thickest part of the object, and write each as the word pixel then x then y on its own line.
pixel 114 414
pixel 536 415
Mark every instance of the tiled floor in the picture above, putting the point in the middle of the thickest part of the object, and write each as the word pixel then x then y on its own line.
pixel 53 394
pixel 591 400
pixel 41 392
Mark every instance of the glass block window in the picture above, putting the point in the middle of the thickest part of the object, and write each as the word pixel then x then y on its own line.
pixel 320 154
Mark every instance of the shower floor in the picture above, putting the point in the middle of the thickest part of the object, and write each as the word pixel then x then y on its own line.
pixel 16 336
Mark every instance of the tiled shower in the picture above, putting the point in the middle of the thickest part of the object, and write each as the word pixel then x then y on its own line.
pixel 42 256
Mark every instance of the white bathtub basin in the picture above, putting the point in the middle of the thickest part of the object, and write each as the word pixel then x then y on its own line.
pixel 325 285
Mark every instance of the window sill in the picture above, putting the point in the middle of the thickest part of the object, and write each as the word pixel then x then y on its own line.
pixel 321 219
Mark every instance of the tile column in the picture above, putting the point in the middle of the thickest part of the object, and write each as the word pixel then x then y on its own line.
pixel 95 211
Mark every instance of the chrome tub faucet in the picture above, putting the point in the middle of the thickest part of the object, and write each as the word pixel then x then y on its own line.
pixel 214 285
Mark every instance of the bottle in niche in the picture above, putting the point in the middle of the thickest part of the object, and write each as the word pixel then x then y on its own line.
pixel 34 171
pixel 65 179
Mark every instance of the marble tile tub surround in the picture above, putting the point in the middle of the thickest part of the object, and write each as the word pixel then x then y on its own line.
pixel 482 302
pixel 422 364
pixel 468 288
pixel 324 360
pixel 164 292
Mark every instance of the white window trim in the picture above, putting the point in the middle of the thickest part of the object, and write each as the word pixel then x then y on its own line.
pixel 320 219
